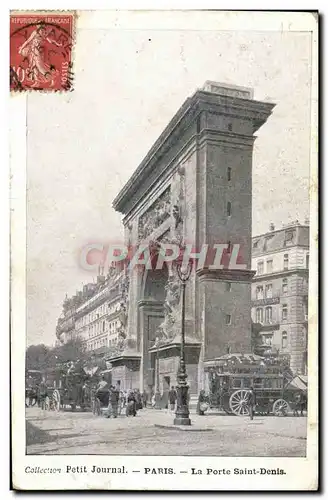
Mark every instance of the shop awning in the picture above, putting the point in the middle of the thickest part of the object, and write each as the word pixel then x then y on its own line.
pixel 297 383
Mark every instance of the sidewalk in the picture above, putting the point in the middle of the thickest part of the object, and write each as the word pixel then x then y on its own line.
pixel 282 426
pixel 147 418
pixel 153 432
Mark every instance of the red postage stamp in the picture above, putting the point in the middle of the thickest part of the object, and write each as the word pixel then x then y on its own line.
pixel 41 51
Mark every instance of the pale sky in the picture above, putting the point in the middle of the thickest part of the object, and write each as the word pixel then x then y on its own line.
pixel 84 145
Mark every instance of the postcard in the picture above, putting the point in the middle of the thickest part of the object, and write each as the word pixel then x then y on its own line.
pixel 164 237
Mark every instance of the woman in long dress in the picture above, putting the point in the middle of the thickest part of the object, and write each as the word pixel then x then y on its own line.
pixel 202 403
pixel 32 49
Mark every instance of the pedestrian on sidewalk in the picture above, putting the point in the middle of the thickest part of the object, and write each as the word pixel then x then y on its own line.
pixel 43 392
pixel 251 402
pixel 144 398
pixel 131 407
pixel 202 403
pixel 113 402
pixel 138 398
pixel 172 398
pixel 123 400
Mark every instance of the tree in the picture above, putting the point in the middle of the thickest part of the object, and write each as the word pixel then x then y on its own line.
pixel 37 357
pixel 40 357
pixel 72 350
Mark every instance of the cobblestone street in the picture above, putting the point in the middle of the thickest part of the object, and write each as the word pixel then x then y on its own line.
pixel 213 435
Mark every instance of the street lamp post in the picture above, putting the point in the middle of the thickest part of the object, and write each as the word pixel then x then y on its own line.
pixel 157 391
pixel 182 412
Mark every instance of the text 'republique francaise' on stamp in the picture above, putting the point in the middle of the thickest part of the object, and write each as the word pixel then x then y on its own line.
pixel 41 49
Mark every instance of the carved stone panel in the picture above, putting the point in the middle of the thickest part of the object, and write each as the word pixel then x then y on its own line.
pixel 156 214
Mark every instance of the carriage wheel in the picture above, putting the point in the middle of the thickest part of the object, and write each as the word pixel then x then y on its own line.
pixel 47 403
pixel 238 402
pixel 280 408
pixel 56 400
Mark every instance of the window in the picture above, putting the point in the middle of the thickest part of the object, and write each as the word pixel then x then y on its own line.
pixel 228 287
pixel 228 319
pixel 255 244
pixel 229 173
pixel 285 285
pixel 268 291
pixel 267 338
pixel 259 315
pixel 268 314
pixel 246 383
pixel 103 326
pixel 277 383
pixel 269 266
pixel 259 293
pixel 260 267
pixel 305 284
pixel 286 261
pixel 229 208
pixel 307 261
pixel 258 382
pixel 236 383
pixel 284 314
pixel 284 340
pixel 305 308
pixel 303 336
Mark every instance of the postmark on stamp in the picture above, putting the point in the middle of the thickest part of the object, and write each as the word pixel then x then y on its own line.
pixel 41 51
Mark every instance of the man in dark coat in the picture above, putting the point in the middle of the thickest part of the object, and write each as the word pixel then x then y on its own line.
pixel 144 398
pixel 42 394
pixel 251 402
pixel 172 398
pixel 131 407
pixel 113 402
pixel 138 399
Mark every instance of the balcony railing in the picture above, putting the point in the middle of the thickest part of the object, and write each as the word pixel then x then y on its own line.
pixel 65 325
pixel 268 301
pixel 274 324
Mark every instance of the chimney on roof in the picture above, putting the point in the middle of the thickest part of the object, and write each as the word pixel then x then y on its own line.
pixel 271 227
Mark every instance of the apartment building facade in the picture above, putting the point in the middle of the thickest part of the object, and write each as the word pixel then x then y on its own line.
pixel 94 314
pixel 280 291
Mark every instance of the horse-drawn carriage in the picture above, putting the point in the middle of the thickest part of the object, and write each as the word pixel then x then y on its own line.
pixel 32 381
pixel 68 387
pixel 231 376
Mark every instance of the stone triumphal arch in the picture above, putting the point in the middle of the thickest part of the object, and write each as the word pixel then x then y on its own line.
pixel 193 187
